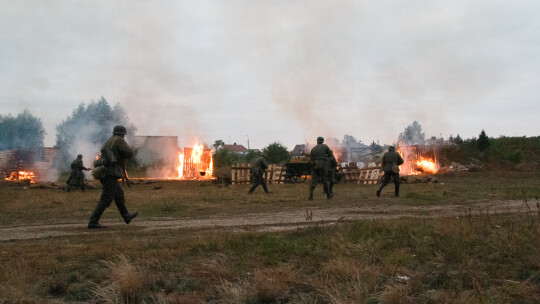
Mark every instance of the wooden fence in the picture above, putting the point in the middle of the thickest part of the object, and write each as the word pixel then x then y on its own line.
pixel 275 174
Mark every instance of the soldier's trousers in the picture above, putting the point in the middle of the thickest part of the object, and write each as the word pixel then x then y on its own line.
pixel 111 191
pixel 331 180
pixel 386 179
pixel 316 176
pixel 258 180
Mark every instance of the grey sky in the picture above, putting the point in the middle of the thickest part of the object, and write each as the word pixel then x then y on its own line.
pixel 285 71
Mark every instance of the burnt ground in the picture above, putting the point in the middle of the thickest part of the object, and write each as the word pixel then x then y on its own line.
pixel 275 221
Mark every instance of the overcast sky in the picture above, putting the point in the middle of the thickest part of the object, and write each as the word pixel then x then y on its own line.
pixel 284 71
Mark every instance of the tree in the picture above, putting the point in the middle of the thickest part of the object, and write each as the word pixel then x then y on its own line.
pixel 412 135
pixel 251 155
pixel 376 147
pixel 24 132
pixel 349 140
pixel 218 143
pixel 276 153
pixel 223 158
pixel 483 141
pixel 458 140
pixel 89 127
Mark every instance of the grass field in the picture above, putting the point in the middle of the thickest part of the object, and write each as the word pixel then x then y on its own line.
pixel 482 258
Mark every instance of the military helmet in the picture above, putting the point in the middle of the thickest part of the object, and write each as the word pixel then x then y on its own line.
pixel 119 130
pixel 391 148
pixel 79 156
pixel 320 140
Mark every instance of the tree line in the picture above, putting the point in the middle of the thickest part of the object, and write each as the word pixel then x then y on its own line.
pixel 93 122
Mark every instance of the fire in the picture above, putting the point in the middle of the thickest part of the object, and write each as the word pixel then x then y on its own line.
pixel 415 163
pixel 21 175
pixel 426 165
pixel 195 163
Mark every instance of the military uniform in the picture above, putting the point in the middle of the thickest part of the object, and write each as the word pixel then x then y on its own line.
pixel 332 170
pixel 119 152
pixel 76 177
pixel 258 168
pixel 390 164
pixel 319 158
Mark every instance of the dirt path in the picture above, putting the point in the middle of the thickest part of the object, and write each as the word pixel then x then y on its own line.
pixel 277 221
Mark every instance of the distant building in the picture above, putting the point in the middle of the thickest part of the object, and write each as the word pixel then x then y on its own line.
pixel 234 148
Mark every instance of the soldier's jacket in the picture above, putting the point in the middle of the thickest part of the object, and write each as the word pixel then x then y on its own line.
pixel 259 166
pixel 319 155
pixel 389 159
pixel 121 152
pixel 77 167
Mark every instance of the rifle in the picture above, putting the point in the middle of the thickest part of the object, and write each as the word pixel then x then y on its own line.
pixel 125 173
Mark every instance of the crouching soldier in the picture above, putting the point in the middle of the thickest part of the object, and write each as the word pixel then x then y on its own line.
pixel 111 167
pixel 258 168
pixel 76 177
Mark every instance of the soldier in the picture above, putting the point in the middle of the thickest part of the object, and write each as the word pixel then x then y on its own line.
pixel 114 153
pixel 319 157
pixel 332 171
pixel 390 164
pixel 76 177
pixel 258 168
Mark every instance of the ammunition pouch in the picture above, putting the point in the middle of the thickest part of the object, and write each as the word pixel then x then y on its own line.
pixel 100 162
pixel 395 168
pixel 99 172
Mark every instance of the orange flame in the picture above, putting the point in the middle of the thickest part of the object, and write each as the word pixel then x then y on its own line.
pixel 427 165
pixel 415 164
pixel 21 175
pixel 197 165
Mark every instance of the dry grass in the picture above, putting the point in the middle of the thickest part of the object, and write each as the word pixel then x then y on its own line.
pixel 124 284
pixel 471 259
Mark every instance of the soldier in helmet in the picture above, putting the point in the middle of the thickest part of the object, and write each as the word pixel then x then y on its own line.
pixel 76 177
pixel 114 153
pixel 390 165
pixel 258 167
pixel 319 157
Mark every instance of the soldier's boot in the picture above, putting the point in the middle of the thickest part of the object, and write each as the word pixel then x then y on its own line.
pixel 379 191
pixel 252 188
pixel 68 188
pixel 121 205
pixel 96 215
pixel 331 188
pixel 329 194
pixel 311 193
pixel 397 191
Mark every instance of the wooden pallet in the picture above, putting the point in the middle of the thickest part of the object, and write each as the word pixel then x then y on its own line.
pixel 369 175
pixel 240 174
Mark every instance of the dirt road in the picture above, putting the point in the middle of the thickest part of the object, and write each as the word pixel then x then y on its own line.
pixel 277 221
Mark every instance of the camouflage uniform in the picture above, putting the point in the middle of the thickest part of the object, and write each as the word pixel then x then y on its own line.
pixel 76 177
pixel 390 159
pixel 257 171
pixel 115 170
pixel 319 157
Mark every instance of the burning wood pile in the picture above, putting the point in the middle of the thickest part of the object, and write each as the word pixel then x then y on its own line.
pixel 15 164
pixel 195 163
pixel 418 159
